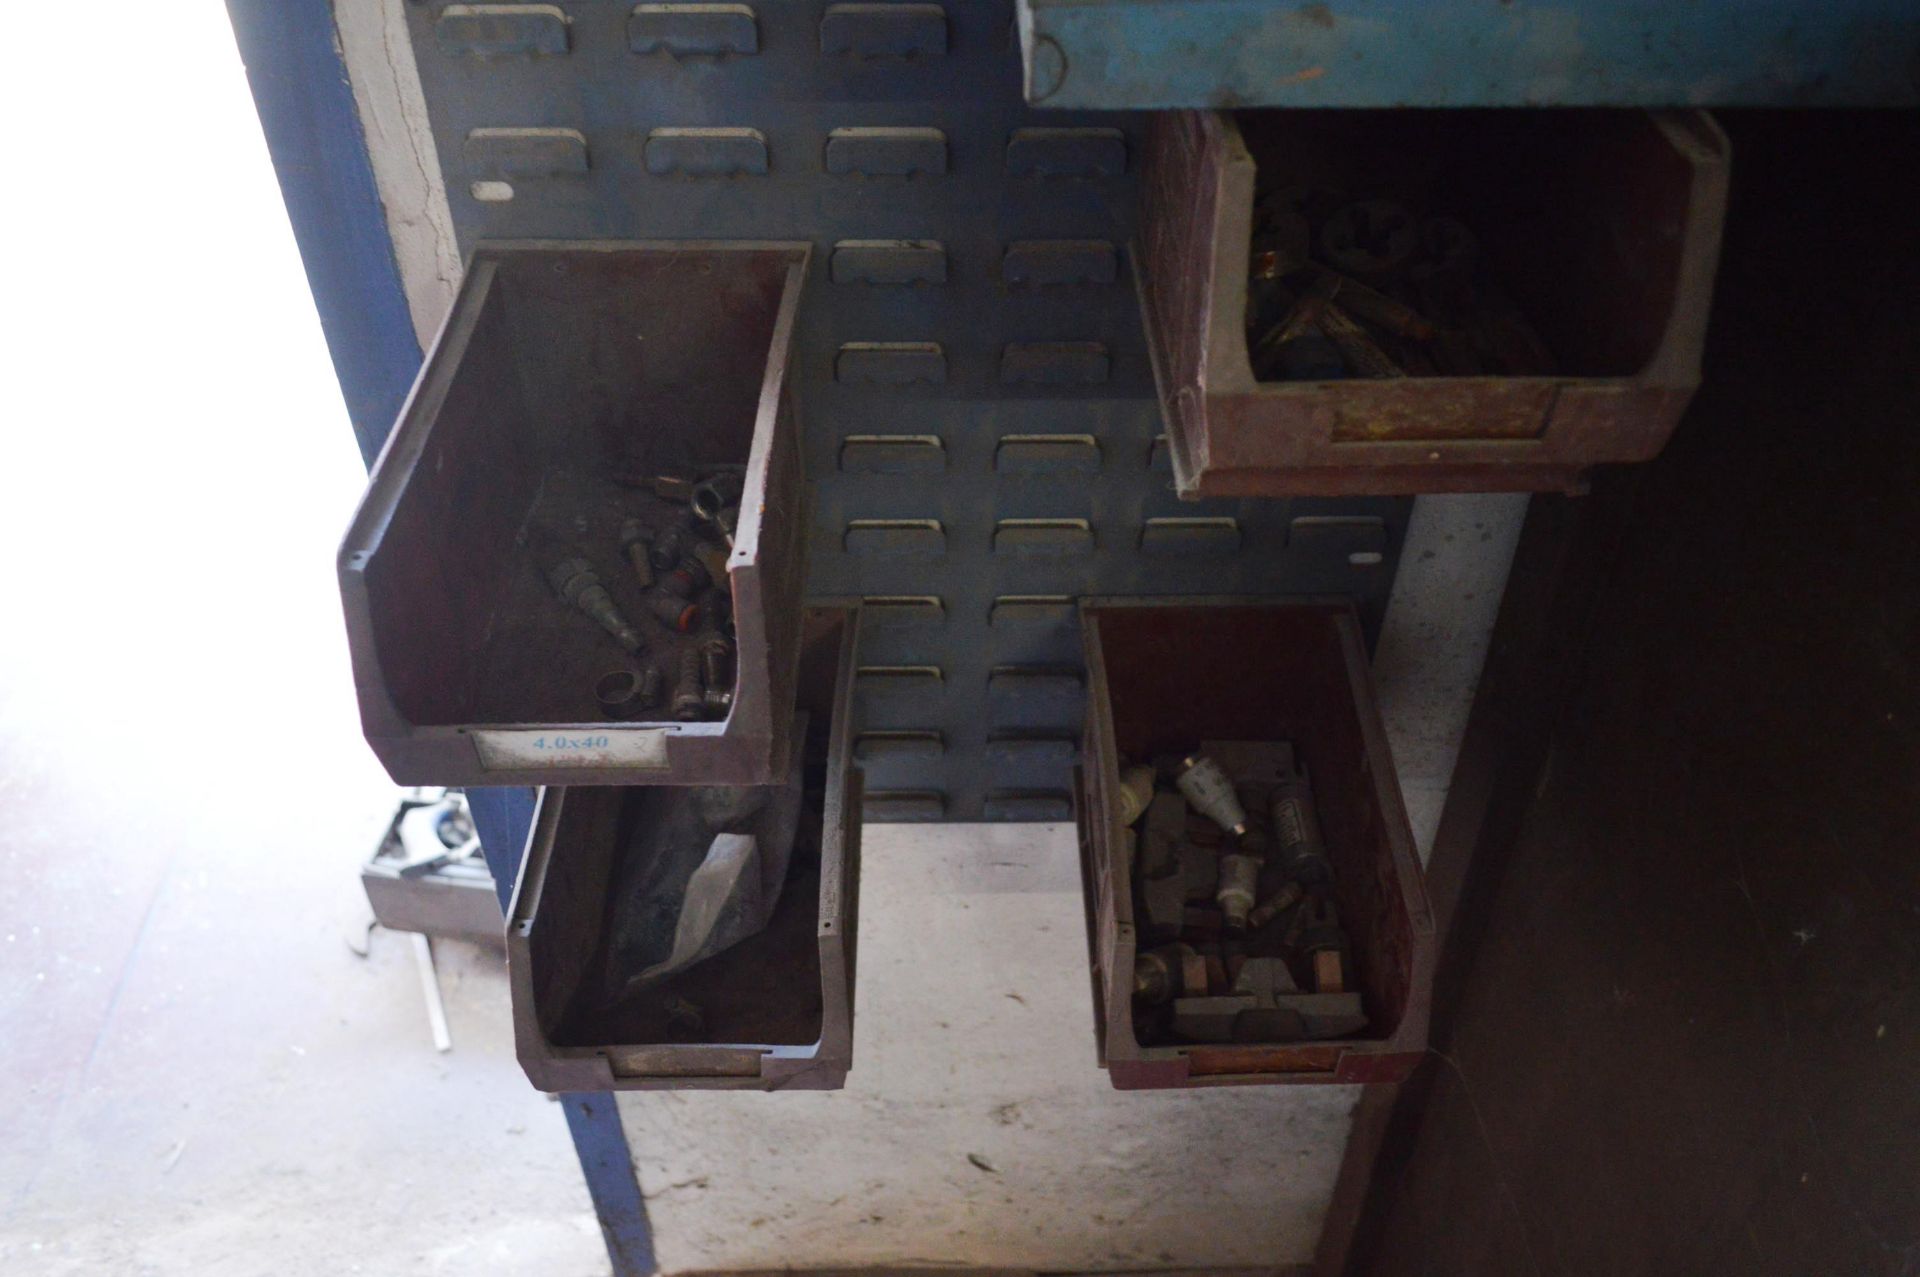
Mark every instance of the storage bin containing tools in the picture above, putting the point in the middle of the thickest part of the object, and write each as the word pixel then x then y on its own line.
pixel 1256 911
pixel 617 985
pixel 1385 302
pixel 579 559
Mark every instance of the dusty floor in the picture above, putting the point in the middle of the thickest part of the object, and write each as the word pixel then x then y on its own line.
pixel 975 1128
pixel 196 1074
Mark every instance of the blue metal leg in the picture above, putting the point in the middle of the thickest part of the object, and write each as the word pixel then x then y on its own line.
pixel 601 1143
pixel 503 818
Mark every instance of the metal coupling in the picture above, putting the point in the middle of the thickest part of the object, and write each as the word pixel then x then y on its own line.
pixel 1135 793
pixel 1160 975
pixel 653 684
pixel 619 693
pixel 716 662
pixel 676 614
pixel 1239 880
pixel 689 699
pixel 1208 790
pixel 668 549
pixel 1275 905
pixel 636 543
pixel 577 585
pixel 717 494
pixel 689 580
pixel 671 487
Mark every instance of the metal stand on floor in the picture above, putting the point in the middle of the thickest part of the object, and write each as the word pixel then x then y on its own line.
pixel 504 817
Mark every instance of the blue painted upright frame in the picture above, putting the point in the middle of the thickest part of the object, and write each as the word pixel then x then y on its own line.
pixel 313 132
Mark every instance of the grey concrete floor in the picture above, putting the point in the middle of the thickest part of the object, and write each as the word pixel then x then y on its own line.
pixel 197 1075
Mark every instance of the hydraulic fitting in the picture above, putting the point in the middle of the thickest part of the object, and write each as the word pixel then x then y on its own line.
pixel 1135 793
pixel 652 684
pixel 1296 830
pixel 1210 792
pixel 671 487
pixel 688 580
pixel 717 494
pixel 1239 879
pixel 668 548
pixel 575 582
pixel 1159 975
pixel 625 694
pixel 689 699
pixel 1275 905
pixel 634 541
pixel 618 693
pixel 716 662
pixel 676 614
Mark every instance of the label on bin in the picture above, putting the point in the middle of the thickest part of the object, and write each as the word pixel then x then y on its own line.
pixel 572 747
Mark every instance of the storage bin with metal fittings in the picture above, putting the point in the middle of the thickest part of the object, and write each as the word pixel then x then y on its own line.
pixel 685 937
pixel 1346 302
pixel 579 558
pixel 1256 911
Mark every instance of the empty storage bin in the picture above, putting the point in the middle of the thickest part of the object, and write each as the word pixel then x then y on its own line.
pixel 575 393
pixel 1600 230
pixel 773 1011
pixel 1262 689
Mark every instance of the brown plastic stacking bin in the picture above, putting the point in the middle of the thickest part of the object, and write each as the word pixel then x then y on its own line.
pixel 1602 226
pixel 565 376
pixel 1166 674
pixel 775 1011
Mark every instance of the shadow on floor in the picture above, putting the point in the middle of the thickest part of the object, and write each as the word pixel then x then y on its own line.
pixel 1689 1037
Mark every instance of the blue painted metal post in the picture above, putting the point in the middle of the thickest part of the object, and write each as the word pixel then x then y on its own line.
pixel 313 132
pixel 503 818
